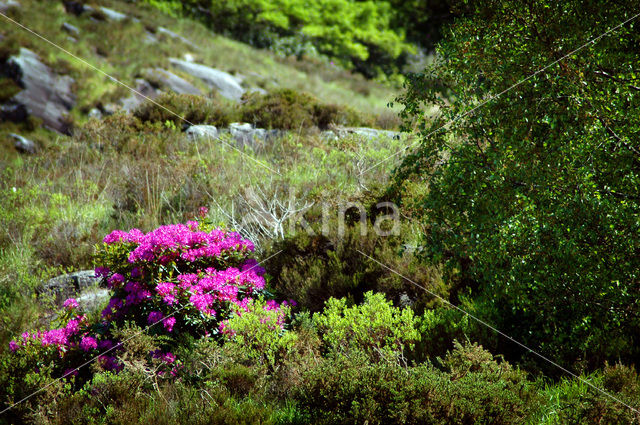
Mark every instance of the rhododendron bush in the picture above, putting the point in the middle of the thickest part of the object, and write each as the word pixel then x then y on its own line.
pixel 181 279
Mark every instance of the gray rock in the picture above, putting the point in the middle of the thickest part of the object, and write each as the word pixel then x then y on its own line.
pixel 46 94
pixel 170 81
pixel 113 15
pixel 95 113
pixel 6 5
pixel 70 28
pixel 149 38
pixel 146 90
pixel 364 132
pixel 223 82
pixel 93 298
pixel 169 33
pixel 23 144
pixel 202 131
pixel 69 285
pixel 246 134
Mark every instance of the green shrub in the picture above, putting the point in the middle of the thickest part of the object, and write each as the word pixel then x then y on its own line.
pixel 172 107
pixel 288 109
pixel 532 199
pixel 352 390
pixel 257 333
pixel 374 327
pixel 573 402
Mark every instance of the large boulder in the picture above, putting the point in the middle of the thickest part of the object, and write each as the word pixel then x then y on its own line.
pixel 170 81
pixel 226 84
pixel 45 94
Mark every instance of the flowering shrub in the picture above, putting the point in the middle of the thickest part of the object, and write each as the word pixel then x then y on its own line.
pixel 184 278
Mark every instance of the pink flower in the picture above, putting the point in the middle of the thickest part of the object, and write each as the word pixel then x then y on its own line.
pixel 169 323
pixel 73 326
pixel 88 343
pixel 13 346
pixel 204 211
pixel 70 304
pixel 165 288
pixel 55 337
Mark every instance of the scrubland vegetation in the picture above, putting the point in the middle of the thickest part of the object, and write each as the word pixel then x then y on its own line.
pixel 264 282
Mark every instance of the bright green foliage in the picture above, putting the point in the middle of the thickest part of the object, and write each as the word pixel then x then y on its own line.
pixel 533 197
pixel 375 326
pixel 355 32
pixel 258 334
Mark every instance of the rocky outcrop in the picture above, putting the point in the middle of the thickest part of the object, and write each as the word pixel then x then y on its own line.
pixel 71 285
pixel 170 81
pixel 23 144
pixel 45 94
pixel 146 90
pixel 247 135
pixel 222 82
pixel 364 132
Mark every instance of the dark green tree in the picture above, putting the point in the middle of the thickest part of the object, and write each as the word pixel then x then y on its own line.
pixel 533 199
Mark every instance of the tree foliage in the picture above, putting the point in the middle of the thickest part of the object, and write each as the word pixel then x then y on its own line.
pixel 533 198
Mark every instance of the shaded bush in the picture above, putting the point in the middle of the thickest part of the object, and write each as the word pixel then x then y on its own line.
pixel 352 390
pixel 573 402
pixel 312 269
pixel 173 107
pixel 290 110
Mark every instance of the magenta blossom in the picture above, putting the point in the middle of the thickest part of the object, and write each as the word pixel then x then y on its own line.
pixel 88 343
pixel 169 323
pixel 70 304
